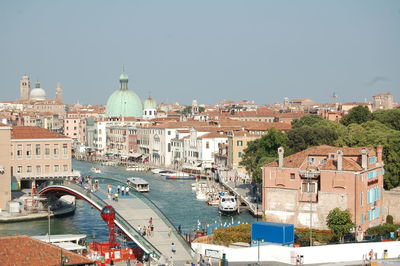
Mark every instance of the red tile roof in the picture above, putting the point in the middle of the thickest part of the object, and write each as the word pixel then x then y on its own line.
pixel 296 160
pixel 25 132
pixel 25 250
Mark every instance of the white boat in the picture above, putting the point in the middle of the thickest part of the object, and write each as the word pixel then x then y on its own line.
pixel 138 184
pixel 167 173
pixel 156 171
pixel 227 205
pixel 201 195
pixel 95 170
pixel 136 168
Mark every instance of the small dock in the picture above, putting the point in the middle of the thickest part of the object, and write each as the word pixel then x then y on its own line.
pixel 242 191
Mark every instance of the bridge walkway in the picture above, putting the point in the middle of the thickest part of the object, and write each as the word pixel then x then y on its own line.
pixel 133 211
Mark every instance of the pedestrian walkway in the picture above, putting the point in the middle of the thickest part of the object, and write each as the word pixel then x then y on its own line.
pixel 133 211
pixel 242 190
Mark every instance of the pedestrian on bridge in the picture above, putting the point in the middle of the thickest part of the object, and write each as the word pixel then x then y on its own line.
pixel 127 190
pixel 122 190
pixel 173 248
pixel 119 188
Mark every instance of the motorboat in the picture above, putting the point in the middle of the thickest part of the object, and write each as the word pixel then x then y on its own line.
pixel 136 168
pixel 180 177
pixel 95 170
pixel 167 173
pixel 227 204
pixel 138 184
pixel 156 170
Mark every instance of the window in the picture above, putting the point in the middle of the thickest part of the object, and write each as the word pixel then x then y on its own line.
pixel 38 170
pixel 19 169
pixel 240 154
pixel 65 168
pixel 309 187
pixel 311 159
pixel 169 132
pixel 292 175
pixel 28 151
pixel 56 151
pixel 65 150
pixel 362 218
pixel 239 143
pixel 207 145
pixel 29 169
pixel 372 160
pixel 56 168
pixel 362 199
pixel 19 151
pixel 47 151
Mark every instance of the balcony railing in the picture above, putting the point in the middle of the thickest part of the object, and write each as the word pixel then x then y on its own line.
pixel 52 175
pixel 308 197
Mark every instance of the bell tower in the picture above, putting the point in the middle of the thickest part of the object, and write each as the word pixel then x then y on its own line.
pixel 59 93
pixel 24 88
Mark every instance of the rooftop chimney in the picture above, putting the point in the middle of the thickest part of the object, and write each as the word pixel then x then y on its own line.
pixel 364 161
pixel 379 151
pixel 339 160
pixel 281 151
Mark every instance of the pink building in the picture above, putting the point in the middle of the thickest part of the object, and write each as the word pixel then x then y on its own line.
pixel 302 188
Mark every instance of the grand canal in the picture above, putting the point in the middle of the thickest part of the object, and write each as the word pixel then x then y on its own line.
pixel 174 197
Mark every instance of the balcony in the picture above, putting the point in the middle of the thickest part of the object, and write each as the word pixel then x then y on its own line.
pixel 310 173
pixel 308 197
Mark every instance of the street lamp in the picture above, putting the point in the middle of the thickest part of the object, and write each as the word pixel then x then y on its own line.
pixel 48 214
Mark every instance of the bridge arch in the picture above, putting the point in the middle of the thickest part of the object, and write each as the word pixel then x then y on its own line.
pixel 63 187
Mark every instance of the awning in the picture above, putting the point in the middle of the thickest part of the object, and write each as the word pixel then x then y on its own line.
pixel 135 155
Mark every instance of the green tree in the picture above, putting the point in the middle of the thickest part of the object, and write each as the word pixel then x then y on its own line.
pixel 390 118
pixel 339 222
pixel 304 137
pixel 307 120
pixel 262 151
pixel 359 114
pixel 374 133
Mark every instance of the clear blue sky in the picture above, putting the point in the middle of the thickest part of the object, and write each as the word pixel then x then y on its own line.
pixel 206 50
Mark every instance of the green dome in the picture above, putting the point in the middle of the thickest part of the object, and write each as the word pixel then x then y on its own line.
pixel 149 103
pixel 124 102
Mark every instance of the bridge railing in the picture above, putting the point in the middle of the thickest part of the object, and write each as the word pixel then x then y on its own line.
pixel 158 211
pixel 119 219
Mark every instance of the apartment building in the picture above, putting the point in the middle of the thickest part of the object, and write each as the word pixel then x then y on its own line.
pixel 5 165
pixel 304 187
pixel 38 154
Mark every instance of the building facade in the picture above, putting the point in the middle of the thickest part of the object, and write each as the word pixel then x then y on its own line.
pixel 38 155
pixel 304 187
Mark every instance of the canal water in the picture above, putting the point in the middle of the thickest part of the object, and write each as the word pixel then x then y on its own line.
pixel 175 198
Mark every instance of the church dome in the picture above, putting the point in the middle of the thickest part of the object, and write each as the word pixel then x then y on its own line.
pixel 124 102
pixel 149 103
pixel 37 93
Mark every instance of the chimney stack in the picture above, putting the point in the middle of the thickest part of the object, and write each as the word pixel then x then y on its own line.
pixel 339 160
pixel 281 151
pixel 379 151
pixel 364 159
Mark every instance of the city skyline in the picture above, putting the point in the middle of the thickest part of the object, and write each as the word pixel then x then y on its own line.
pixel 179 51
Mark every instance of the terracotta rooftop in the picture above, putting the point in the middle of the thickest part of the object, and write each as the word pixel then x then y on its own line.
pixel 25 132
pixel 25 250
pixel 297 160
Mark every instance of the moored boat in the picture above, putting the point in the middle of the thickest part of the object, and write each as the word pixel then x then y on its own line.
pixel 227 205
pixel 138 184
pixel 136 168
pixel 95 170
pixel 180 177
